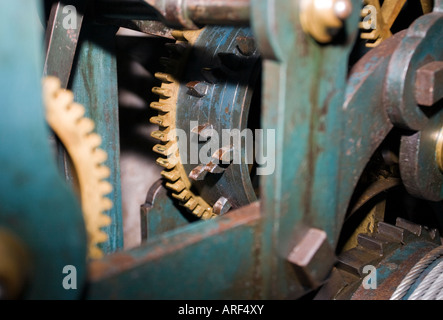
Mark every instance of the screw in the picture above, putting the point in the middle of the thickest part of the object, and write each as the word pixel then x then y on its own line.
pixel 429 84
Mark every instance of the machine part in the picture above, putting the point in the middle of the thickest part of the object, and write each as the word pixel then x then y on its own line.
pixel 313 258
pixel 391 250
pixel 324 19
pixel 429 84
pixel 419 161
pixel 36 204
pixel 75 131
pixel 379 19
pixel 211 86
pixel 14 266
pixel 61 39
pixel 422 45
pixel 415 273
pixel 160 213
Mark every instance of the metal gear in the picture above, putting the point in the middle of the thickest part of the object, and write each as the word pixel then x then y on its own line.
pixel 387 12
pixel 393 249
pixel 208 80
pixel 65 117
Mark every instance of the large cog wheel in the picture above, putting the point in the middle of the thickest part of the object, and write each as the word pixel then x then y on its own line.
pixel 202 83
pixel 66 119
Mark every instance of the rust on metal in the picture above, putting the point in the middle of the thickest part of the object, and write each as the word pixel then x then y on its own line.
pixel 429 84
pixel 163 246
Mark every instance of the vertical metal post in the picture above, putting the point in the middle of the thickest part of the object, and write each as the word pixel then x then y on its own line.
pixel 94 83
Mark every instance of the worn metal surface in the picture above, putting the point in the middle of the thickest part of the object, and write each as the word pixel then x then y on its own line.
pixel 225 106
pixel 188 263
pixel 94 84
pixel 179 14
pixel 419 167
pixel 313 258
pixel 422 44
pixel 62 41
pixel 160 213
pixel 35 203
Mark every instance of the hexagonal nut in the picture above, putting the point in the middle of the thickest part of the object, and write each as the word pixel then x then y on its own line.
pixel 313 258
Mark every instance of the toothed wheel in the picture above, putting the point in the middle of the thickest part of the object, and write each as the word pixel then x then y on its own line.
pixel 377 26
pixel 65 117
pixel 207 88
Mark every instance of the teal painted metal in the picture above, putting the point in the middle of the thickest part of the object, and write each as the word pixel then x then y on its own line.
pixel 35 203
pixel 188 263
pixel 94 83
pixel 304 87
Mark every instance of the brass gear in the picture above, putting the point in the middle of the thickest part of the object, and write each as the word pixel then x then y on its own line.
pixel 387 13
pixel 66 118
pixel 175 174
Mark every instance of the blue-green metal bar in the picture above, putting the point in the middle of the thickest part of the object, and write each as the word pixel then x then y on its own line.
pixel 94 83
pixel 35 202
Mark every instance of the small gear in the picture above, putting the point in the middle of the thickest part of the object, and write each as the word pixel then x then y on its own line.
pixel 66 119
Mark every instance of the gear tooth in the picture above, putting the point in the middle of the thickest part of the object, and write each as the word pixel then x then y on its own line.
pixel 162 92
pixel 94 140
pixel 391 232
pixel 190 204
pixel 182 196
pixel 165 163
pixel 177 187
pixel 86 125
pixel 208 214
pixel 64 98
pixel 100 155
pixel 160 106
pixel 172 175
pixel 165 149
pixel 171 65
pixel 106 220
pixel 106 205
pixel 164 77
